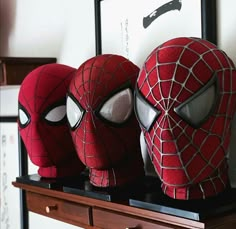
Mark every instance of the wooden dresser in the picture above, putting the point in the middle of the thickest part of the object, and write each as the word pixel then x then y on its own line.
pixel 88 212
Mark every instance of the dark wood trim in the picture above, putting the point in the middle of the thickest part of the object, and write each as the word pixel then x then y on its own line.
pixel 8 119
pixel 13 70
pixel 98 36
pixel 28 60
pixel 209 20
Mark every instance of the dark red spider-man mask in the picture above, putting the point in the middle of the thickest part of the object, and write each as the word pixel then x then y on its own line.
pixel 103 125
pixel 185 100
pixel 42 121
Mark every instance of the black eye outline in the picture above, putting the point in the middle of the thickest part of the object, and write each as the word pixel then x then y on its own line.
pixel 178 110
pixel 138 95
pixel 22 108
pixel 118 90
pixel 50 108
pixel 71 96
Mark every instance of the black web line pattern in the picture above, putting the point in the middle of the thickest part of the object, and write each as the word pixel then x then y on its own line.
pixel 90 98
pixel 34 109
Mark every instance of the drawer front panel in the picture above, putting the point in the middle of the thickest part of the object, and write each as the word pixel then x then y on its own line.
pixel 109 219
pixel 59 209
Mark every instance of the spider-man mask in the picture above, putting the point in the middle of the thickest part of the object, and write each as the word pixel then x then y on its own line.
pixel 103 125
pixel 43 124
pixel 184 102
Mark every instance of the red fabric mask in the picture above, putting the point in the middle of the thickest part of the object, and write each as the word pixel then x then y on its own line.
pixel 103 125
pixel 184 102
pixel 42 121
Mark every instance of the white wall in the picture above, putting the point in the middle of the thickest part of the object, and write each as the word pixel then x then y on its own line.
pixel 65 29
pixel 42 28
pixel 227 27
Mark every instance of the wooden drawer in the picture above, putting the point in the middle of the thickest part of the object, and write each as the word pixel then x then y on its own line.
pixel 66 211
pixel 109 219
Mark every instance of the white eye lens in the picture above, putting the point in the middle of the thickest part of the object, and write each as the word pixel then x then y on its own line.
pixel 56 114
pixel 23 118
pixel 196 111
pixel 119 107
pixel 145 113
pixel 74 112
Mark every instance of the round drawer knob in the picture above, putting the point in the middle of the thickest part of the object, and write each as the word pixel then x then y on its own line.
pixel 50 208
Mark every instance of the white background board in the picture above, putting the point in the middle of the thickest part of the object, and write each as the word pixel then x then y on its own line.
pixel 123 31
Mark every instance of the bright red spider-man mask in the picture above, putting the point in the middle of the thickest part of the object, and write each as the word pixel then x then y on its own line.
pixel 103 125
pixel 43 124
pixel 185 101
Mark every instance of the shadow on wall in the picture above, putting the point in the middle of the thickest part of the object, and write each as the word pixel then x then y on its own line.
pixel 7 22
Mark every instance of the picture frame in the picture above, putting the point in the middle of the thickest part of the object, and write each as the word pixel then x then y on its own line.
pixel 12 155
pixel 117 24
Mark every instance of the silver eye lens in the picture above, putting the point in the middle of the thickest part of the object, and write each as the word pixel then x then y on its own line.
pixel 145 113
pixel 74 112
pixel 119 107
pixel 56 114
pixel 23 117
pixel 199 107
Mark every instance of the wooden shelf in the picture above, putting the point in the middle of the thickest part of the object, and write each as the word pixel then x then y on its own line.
pixel 89 212
pixel 14 69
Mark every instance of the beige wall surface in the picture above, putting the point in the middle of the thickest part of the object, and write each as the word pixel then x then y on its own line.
pixel 227 27
pixel 56 28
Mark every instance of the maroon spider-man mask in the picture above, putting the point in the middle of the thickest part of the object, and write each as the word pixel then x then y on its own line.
pixel 103 125
pixel 43 124
pixel 185 101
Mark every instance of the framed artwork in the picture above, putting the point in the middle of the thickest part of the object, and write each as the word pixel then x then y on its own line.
pixel 9 196
pixel 13 162
pixel 133 28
